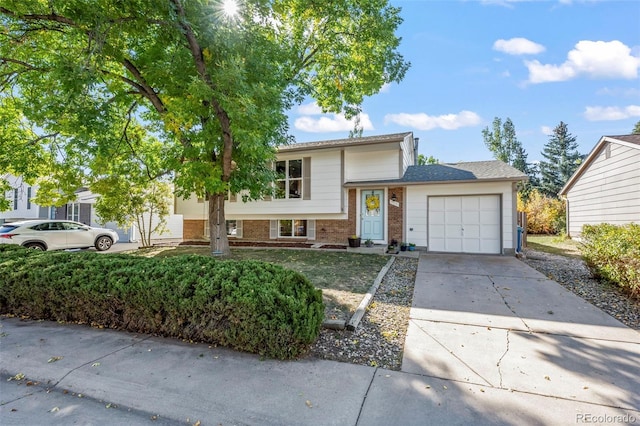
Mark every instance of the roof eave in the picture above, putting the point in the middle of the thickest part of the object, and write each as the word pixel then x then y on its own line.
pixel 431 182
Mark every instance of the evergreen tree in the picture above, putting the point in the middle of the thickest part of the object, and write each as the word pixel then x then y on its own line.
pixel 562 159
pixel 636 129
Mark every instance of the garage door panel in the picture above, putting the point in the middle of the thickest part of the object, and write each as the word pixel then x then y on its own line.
pixel 490 232
pixel 437 218
pixel 489 218
pixel 452 203
pixel 471 231
pixel 454 217
pixel 470 203
pixel 464 224
pixel 471 218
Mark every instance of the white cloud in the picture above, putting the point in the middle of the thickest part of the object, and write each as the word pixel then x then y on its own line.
pixel 546 130
pixel 423 121
pixel 598 113
pixel 311 108
pixel 518 46
pixel 593 59
pixel 386 87
pixel 330 123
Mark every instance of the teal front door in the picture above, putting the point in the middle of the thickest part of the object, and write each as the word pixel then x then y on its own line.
pixel 372 215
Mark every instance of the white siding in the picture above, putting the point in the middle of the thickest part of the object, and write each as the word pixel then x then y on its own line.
pixel 22 212
pixel 608 191
pixel 327 195
pixel 372 165
pixel 408 154
pixel 416 208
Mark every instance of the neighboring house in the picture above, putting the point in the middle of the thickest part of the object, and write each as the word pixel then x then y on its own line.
pixel 82 210
pixel 371 187
pixel 20 196
pixel 606 186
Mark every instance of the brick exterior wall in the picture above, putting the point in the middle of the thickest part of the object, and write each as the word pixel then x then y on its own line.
pixel 327 231
pixel 337 231
pixel 193 230
pixel 396 215
pixel 255 230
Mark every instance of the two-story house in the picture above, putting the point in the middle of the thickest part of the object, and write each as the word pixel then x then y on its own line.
pixel 372 187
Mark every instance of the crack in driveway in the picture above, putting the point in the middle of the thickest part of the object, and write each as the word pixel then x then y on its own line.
pixel 453 354
pixel 504 300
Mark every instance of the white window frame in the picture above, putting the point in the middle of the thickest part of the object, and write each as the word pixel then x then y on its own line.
pixel 73 212
pixel 274 231
pixel 288 179
pixel 238 228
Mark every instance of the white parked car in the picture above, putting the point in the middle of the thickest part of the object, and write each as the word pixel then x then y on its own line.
pixel 56 235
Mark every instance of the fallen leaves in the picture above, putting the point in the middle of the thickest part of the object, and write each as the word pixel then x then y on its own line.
pixel 309 404
pixel 18 376
pixel 54 359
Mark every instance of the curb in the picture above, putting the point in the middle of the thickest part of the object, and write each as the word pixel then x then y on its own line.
pixel 360 311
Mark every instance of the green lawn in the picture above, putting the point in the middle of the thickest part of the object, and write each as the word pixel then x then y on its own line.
pixel 343 277
pixel 553 244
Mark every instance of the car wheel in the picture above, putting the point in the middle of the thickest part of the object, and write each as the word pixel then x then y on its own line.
pixel 36 246
pixel 103 243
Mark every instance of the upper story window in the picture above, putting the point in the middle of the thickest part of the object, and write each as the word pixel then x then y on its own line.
pixel 15 199
pixel 29 195
pixel 290 184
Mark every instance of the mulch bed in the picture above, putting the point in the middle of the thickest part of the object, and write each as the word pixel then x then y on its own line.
pixel 284 244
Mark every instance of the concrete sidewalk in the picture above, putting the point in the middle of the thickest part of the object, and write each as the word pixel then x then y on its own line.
pixel 482 348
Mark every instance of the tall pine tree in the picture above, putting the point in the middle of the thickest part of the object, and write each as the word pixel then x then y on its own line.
pixel 562 159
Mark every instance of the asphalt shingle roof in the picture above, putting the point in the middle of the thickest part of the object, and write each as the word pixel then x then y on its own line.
pixel 367 140
pixel 635 139
pixel 476 170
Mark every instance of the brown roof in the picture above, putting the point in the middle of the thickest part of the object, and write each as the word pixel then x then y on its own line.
pixel 368 140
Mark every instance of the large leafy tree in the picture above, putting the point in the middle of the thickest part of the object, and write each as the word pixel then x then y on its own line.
pixel 502 141
pixel 636 129
pixel 108 76
pixel 562 160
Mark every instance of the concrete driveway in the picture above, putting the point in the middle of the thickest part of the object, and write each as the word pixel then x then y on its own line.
pixel 494 328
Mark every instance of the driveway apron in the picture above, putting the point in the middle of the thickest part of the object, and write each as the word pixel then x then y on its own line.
pixel 494 323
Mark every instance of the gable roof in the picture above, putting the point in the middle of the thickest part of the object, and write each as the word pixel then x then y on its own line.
pixel 630 141
pixel 368 140
pixel 488 171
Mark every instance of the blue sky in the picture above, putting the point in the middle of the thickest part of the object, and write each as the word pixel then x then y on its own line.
pixel 536 62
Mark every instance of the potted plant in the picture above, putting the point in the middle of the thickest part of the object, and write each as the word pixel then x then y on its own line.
pixel 368 242
pixel 404 246
pixel 354 241
pixel 412 247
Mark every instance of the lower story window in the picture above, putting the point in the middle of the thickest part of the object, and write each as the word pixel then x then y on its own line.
pixel 234 228
pixel 73 211
pixel 293 228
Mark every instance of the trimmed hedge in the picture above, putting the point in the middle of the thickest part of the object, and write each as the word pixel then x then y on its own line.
pixel 246 305
pixel 613 253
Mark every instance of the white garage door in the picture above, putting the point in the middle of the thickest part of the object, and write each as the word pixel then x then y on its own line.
pixel 464 224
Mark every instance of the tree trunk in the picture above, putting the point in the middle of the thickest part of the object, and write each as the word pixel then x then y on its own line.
pixel 218 240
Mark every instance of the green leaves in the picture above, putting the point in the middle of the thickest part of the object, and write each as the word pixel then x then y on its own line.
pixel 111 77
pixel 249 305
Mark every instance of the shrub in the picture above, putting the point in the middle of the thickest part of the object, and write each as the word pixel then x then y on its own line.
pixel 613 253
pixel 545 215
pixel 246 305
